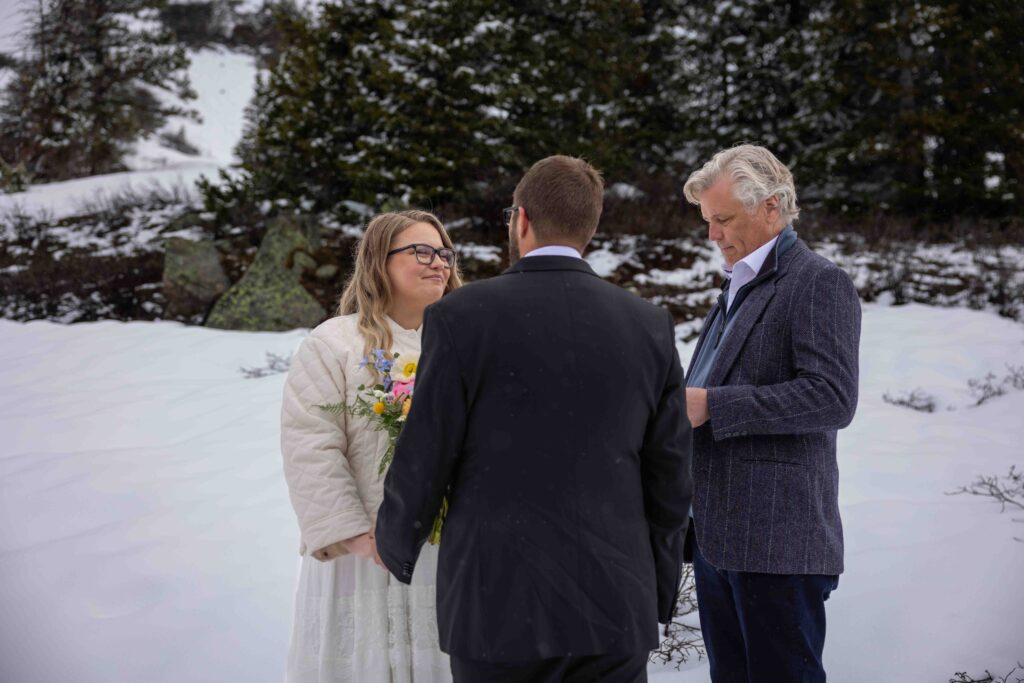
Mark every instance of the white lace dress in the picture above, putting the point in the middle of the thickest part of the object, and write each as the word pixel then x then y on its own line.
pixel 354 622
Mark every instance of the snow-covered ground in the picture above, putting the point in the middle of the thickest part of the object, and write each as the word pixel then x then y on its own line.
pixel 145 532
pixel 224 83
pixel 12 25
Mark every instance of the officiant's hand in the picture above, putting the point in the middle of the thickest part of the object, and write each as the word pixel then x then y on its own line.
pixel 364 545
pixel 697 406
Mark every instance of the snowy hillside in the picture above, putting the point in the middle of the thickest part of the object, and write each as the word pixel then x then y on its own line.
pixel 145 532
pixel 223 82
pixel 12 23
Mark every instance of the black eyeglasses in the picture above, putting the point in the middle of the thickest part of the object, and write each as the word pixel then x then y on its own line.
pixel 425 254
pixel 508 213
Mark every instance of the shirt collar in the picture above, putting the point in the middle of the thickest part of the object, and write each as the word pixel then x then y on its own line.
pixel 554 250
pixel 754 260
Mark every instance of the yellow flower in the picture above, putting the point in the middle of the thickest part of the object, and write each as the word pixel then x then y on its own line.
pixel 409 369
pixel 378 407
pixel 406 406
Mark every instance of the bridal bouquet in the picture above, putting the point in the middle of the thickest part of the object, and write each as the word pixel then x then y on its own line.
pixel 386 405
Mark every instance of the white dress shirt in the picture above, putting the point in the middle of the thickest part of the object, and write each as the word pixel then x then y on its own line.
pixel 554 250
pixel 746 269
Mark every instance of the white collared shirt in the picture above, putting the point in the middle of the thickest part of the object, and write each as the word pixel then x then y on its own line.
pixel 554 250
pixel 746 269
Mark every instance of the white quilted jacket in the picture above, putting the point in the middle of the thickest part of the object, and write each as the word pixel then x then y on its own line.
pixel 331 461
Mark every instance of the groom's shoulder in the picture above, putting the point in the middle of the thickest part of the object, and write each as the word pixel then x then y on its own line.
pixel 469 292
pixel 481 292
pixel 631 300
pixel 470 297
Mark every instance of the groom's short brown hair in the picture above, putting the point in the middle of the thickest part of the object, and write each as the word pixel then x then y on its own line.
pixel 562 197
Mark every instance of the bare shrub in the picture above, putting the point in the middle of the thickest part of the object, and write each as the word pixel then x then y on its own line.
pixel 986 388
pixel 990 386
pixel 1006 490
pixel 112 207
pixel 1015 378
pixel 682 636
pixel 915 400
pixel 276 364
pixel 963 677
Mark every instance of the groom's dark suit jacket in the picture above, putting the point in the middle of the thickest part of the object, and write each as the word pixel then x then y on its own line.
pixel 552 403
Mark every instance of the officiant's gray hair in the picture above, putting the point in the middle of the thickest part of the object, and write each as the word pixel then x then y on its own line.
pixel 757 174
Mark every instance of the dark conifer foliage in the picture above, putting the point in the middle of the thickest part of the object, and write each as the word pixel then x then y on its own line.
pixel 909 109
pixel 85 91
pixel 918 106
pixel 446 102
pixel 901 108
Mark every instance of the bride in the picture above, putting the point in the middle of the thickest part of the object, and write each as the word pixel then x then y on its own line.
pixel 354 621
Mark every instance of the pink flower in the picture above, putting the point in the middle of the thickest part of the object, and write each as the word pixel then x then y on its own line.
pixel 403 388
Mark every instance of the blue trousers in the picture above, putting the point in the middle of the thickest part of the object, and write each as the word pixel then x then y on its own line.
pixel 762 628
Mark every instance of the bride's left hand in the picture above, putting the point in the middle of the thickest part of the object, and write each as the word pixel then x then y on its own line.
pixel 330 552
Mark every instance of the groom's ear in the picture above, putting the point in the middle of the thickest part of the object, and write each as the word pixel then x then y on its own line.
pixel 522 223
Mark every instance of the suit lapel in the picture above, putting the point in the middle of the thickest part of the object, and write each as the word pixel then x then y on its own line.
pixel 748 314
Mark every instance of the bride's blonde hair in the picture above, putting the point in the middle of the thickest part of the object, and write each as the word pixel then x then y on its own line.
pixel 368 291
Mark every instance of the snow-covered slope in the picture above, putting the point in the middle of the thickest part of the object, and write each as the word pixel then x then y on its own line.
pixel 224 83
pixel 12 24
pixel 145 532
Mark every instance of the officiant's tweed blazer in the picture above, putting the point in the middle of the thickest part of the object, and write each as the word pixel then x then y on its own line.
pixel 785 380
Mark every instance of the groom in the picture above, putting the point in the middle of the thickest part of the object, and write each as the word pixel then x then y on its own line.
pixel 550 407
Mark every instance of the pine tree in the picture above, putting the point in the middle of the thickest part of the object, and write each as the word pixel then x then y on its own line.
pixel 87 89
pixel 593 79
pixel 743 63
pixel 976 166
pixel 875 98
pixel 919 107
pixel 448 101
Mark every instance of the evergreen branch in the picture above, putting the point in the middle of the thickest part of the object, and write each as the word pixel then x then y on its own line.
pixel 332 408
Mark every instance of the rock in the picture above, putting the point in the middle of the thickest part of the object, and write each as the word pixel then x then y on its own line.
pixel 301 262
pixel 309 227
pixel 193 278
pixel 185 221
pixel 326 272
pixel 269 296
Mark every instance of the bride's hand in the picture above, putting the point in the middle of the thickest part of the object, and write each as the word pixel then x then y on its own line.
pixel 330 552
pixel 363 545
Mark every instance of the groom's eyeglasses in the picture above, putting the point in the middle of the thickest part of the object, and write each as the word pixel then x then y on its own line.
pixel 425 254
pixel 508 213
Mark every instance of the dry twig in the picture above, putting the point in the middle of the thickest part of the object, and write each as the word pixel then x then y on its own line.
pixel 683 639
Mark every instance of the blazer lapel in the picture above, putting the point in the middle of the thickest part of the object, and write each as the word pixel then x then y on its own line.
pixel 748 314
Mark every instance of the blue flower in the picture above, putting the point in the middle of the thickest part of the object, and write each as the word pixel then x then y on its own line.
pixel 364 362
pixel 381 363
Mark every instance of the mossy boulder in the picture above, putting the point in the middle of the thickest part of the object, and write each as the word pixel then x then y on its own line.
pixel 193 278
pixel 327 272
pixel 270 296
